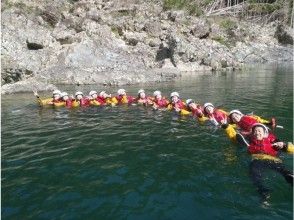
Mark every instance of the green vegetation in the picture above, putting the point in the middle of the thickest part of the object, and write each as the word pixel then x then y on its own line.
pixel 263 7
pixel 6 4
pixel 193 8
pixel 228 24
pixel 116 30
pixel 221 40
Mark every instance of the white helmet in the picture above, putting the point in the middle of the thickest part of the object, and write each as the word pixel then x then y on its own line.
pixel 55 92
pixel 266 130
pixel 92 93
pixel 174 94
pixel 156 93
pixel 102 93
pixel 189 101
pixel 235 111
pixel 208 104
pixel 63 94
pixel 121 92
pixel 140 91
pixel 79 93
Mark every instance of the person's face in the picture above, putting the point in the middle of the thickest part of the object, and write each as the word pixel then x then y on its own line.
pixel 65 97
pixel 56 96
pixel 259 133
pixel 192 105
pixel 209 109
pixel 79 97
pixel 158 97
pixel 142 95
pixel 236 117
pixel 94 96
pixel 175 99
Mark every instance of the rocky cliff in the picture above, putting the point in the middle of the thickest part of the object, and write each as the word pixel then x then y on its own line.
pixel 115 42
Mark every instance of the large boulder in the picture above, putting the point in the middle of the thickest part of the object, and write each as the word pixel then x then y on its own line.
pixel 283 36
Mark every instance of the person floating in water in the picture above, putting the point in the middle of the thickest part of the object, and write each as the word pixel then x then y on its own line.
pixel 49 101
pixel 143 99
pixel 264 147
pixel 177 104
pixel 245 122
pixel 215 116
pixel 81 100
pixel 104 98
pixel 196 110
pixel 93 98
pixel 122 98
pixel 68 101
pixel 159 102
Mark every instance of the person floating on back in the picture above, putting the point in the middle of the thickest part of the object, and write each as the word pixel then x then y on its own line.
pixel 122 98
pixel 264 148
pixel 216 116
pixel 196 109
pixel 104 98
pixel 143 99
pixel 159 102
pixel 49 101
pixel 81 100
pixel 245 122
pixel 177 104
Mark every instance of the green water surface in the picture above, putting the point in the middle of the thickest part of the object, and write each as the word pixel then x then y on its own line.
pixel 130 162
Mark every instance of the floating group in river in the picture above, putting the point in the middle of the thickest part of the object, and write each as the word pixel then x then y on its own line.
pixel 251 131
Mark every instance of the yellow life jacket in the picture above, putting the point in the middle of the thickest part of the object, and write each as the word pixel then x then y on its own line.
pixel 231 133
pixel 265 157
pixel 259 119
pixel 43 102
pixel 108 101
pixel 59 104
pixel 202 119
pixel 184 112
pixel 290 148
pixel 75 103
pixel 124 100
pixel 94 103
pixel 114 101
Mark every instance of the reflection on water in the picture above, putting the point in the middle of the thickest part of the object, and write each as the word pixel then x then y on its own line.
pixel 135 163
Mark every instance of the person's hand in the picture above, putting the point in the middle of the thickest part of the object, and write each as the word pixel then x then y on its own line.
pixel 223 121
pixel 36 93
pixel 279 145
pixel 155 106
pixel 177 109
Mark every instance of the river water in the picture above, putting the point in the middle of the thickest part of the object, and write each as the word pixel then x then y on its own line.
pixel 130 162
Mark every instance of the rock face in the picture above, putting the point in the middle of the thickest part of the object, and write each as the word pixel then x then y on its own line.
pixel 115 43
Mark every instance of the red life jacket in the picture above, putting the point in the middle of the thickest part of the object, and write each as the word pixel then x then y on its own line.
pixel 129 98
pixel 246 123
pixel 68 103
pixel 197 112
pixel 264 146
pixel 145 101
pixel 217 115
pixel 101 100
pixel 162 103
pixel 84 102
pixel 179 105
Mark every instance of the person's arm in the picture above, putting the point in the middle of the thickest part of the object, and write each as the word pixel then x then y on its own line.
pixel 230 131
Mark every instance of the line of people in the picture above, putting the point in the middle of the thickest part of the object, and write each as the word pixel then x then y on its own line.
pixel 251 131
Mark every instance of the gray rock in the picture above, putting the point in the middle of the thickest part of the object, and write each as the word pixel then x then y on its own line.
pixel 283 36
pixel 201 28
pixel 153 29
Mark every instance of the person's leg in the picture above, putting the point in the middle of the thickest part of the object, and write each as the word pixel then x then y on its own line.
pixel 287 174
pixel 256 169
